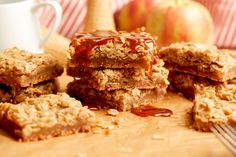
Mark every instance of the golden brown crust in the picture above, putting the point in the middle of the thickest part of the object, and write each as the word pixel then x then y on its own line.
pixel 19 68
pixel 201 60
pixel 45 117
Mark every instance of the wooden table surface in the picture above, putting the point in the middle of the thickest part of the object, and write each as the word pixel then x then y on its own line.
pixel 125 135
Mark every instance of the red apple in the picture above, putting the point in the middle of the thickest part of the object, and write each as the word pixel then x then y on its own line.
pixel 180 20
pixel 133 15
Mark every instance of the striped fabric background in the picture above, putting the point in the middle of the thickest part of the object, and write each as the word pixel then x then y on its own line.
pixel 74 11
pixel 224 16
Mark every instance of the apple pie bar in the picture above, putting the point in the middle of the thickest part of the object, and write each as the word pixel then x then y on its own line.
pixel 110 49
pixel 111 79
pixel 19 68
pixel 45 117
pixel 201 60
pixel 122 100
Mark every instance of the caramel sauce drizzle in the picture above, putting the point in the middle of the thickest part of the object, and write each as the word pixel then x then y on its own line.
pixel 85 42
pixel 148 110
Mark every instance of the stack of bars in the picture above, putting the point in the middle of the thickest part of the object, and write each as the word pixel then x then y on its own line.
pixel 29 110
pixel 116 70
pixel 23 75
pixel 207 75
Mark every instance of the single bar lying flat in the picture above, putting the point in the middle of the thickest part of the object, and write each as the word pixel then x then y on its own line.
pixel 200 60
pixel 45 117
pixel 19 68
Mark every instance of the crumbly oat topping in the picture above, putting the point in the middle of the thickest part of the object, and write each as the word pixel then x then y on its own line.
pixel 21 62
pixel 212 111
pixel 46 111
pixel 214 104
pixel 197 53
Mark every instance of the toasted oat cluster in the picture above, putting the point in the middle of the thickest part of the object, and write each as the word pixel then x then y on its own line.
pixel 45 117
pixel 214 104
pixel 208 111
pixel 201 60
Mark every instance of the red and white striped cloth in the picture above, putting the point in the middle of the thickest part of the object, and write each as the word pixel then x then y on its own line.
pixel 224 16
pixel 74 11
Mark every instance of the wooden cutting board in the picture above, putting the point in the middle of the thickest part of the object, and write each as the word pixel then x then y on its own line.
pixel 125 135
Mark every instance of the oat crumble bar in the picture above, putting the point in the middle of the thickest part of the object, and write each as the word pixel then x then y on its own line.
pixel 111 79
pixel 122 100
pixel 45 117
pixel 201 60
pixel 9 94
pixel 110 49
pixel 192 86
pixel 19 68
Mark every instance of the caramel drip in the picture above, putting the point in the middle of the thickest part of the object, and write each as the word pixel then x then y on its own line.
pixel 148 110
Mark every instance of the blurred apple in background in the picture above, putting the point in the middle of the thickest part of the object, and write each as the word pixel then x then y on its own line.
pixel 133 15
pixel 180 20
